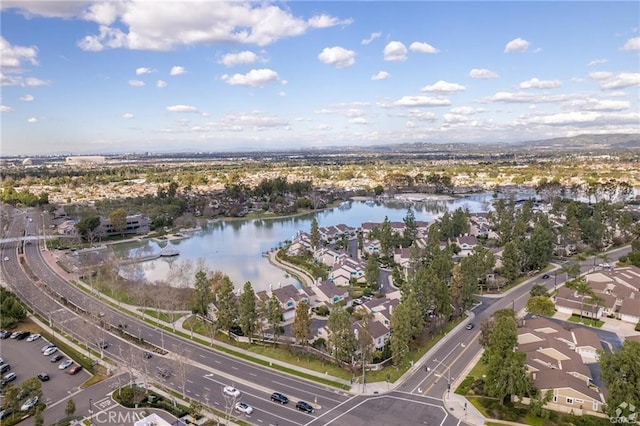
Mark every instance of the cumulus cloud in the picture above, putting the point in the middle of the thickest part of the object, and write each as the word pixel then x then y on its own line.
pixel 13 57
pixel 535 83
pixel 26 98
pixel 182 108
pixel 106 38
pixel 421 101
pixel 337 56
pixel 136 83
pixel 526 97
pixel 592 104
pixel 326 21
pixel 32 120
pixel 600 75
pixel 444 87
pixel 464 110
pixel 104 13
pixel 358 120
pixel 620 81
pixel 482 73
pixel 6 80
pixel 422 47
pixel 238 58
pixel 517 45
pixel 5 108
pixel 632 44
pixel 254 78
pixel 597 62
pixel 161 84
pixel 254 120
pixel 381 75
pixel 177 70
pixel 143 70
pixel 395 51
pixel 127 116
pixel 372 37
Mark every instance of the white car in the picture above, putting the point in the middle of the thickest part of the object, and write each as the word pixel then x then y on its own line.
pixel 231 391
pixel 244 408
pixel 29 403
pixel 50 351
pixel 6 258
pixel 65 364
pixel 33 337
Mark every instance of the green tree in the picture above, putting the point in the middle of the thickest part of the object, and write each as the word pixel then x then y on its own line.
pixel 386 239
pixel 38 419
pixel 202 294
pixel 371 271
pixel 582 288
pixel 118 219
pixel 10 400
pixel 341 338
pixel 410 232
pixel 70 409
pixel 511 261
pixel 87 226
pixel 620 371
pixel 539 290
pixel 248 311
pixel 227 305
pixel 315 234
pixel 401 333
pixel 541 305
pixel 301 327
pixel 274 317
pixel 364 340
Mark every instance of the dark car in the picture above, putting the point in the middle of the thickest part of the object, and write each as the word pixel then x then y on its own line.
pixel 545 277
pixel 43 377
pixel 56 358
pixel 278 397
pixel 4 334
pixel 75 369
pixel 146 355
pixel 23 335
pixel 304 406
pixel 5 413
pixel 4 368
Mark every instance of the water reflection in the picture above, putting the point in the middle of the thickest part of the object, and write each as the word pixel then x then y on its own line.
pixel 237 247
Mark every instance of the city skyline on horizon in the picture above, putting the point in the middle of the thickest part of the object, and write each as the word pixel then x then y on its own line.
pixel 206 76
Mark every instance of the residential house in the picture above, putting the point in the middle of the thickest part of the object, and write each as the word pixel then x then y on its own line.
pixel 466 244
pixel 568 301
pixel 300 244
pixel 630 310
pixel 329 294
pixel 371 246
pixel 346 270
pixel 289 296
pixel 380 333
pixel 135 224
pixel 328 256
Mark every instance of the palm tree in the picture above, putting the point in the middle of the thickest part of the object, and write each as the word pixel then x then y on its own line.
pixel 583 289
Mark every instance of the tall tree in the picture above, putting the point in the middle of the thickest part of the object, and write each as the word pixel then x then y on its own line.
pixel 301 327
pixel 541 305
pixel 202 295
pixel 371 271
pixel 70 409
pixel 118 219
pixel 621 374
pixel 315 234
pixel 583 289
pixel 410 232
pixel 274 317
pixel 511 261
pixel 386 238
pixel 401 333
pixel 341 338
pixel 87 227
pixel 364 339
pixel 248 311
pixel 227 305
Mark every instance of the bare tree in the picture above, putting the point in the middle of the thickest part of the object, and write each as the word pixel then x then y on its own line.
pixel 183 357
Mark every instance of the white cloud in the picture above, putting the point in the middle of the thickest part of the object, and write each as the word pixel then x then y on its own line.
pixel 161 84
pixel 525 97
pixel 591 104
pixel 6 80
pixel 517 45
pixel 358 120
pixel 136 83
pixel 238 58
pixel 422 47
pixel 372 37
pixel 444 87
pixel 597 62
pixel 621 81
pixel 254 120
pixel 421 101
pixel 326 21
pixel 143 70
pixel 5 108
pixel 49 9
pixel 573 118
pixel 632 44
pixel 104 13
pixel 127 116
pixel 35 82
pixel 395 51
pixel 182 108
pixel 535 83
pixel 416 114
pixel 254 78
pixel 600 75
pixel 381 75
pixel 177 70
pixel 464 110
pixel 12 57
pixel 337 56
pixel 26 98
pixel 455 118
pixel 482 73
pixel 282 94
pixel 32 120
pixel 107 38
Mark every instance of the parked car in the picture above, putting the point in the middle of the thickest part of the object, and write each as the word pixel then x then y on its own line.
pixel 470 326
pixel 146 355
pixel 29 403
pixel 545 276
pixel 23 335
pixel 43 377
pixel 15 334
pixel 65 364
pixel 9 377
pixel 50 351
pixel 75 369
pixel 5 334
pixel 33 337
pixel 304 406
pixel 244 408
pixel 47 346
pixel 231 391
pixel 278 397
pixel 5 413
pixel 56 358
pixel 4 368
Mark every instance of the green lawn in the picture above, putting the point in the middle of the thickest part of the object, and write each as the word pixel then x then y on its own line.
pixel 162 316
pixel 586 321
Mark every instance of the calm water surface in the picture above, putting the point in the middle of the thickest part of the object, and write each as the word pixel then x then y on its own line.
pixel 236 247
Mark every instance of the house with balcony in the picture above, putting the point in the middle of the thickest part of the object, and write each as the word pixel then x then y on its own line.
pixel 347 270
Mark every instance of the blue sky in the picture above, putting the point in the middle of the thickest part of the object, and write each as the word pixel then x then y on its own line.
pixel 87 77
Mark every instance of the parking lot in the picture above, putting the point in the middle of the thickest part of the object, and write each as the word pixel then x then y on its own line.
pixel 27 361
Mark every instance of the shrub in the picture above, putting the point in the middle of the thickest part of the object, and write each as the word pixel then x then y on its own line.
pixel 637 327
